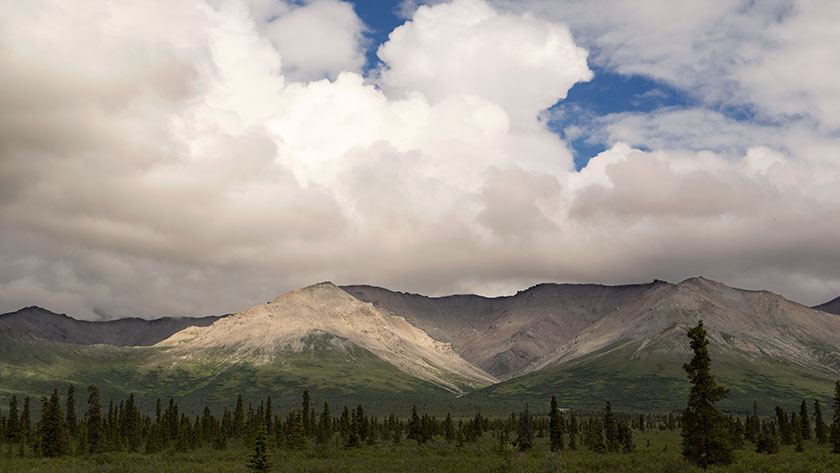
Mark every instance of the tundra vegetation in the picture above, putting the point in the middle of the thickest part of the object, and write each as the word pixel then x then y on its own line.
pixel 114 435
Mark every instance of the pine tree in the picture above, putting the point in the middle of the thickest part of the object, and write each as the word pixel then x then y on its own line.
pixel 625 438
pixel 805 420
pixel 573 433
pixel 307 422
pixel 611 429
pixel 835 426
pixel 415 431
pixel 525 431
pixel 259 462
pixel 595 436
pixel 238 418
pixel 555 426
pixel 820 428
pixel 26 420
pixel 448 428
pixel 785 430
pixel 296 437
pixel 53 440
pixel 95 434
pixel 325 427
pixel 767 444
pixel 71 421
pixel 13 423
pixel 705 438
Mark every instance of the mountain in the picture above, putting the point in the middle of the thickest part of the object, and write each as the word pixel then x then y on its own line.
pixel 508 336
pixel 588 343
pixel 265 332
pixel 41 323
pixel 764 347
pixel 585 343
pixel 832 306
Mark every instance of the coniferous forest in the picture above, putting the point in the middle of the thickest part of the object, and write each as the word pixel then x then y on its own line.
pixel 79 431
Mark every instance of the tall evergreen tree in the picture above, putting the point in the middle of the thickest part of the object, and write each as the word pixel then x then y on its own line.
pixel 573 431
pixel 325 426
pixel 525 431
pixel 307 422
pixel 805 420
pixel 71 421
pixel 26 420
pixel 555 426
pixel 448 428
pixel 95 433
pixel 820 428
pixel 13 423
pixel 238 418
pixel 259 461
pixel 785 431
pixel 835 426
pixel 53 440
pixel 705 437
pixel 611 429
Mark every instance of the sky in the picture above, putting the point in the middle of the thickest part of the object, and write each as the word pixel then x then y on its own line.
pixel 191 158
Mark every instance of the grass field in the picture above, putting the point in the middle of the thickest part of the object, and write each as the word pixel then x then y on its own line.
pixel 656 452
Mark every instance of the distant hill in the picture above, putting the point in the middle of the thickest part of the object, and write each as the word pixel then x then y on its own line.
pixel 41 323
pixel 585 343
pixel 832 306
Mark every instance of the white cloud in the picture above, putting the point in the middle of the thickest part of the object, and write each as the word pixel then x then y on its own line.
pixel 467 48
pixel 320 38
pixel 148 168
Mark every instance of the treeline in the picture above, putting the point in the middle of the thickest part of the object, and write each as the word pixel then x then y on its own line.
pixel 122 427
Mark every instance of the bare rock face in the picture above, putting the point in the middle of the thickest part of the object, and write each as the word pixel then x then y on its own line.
pixel 552 324
pixel 36 322
pixel 832 306
pixel 508 336
pixel 265 331
pixel 754 323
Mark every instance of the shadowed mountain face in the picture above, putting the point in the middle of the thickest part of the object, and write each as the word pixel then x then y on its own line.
pixel 41 323
pixel 832 306
pixel 509 336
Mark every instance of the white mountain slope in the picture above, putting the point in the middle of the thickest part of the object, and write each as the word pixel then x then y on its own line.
pixel 265 331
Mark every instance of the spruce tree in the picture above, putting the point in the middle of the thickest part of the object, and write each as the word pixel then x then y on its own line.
pixel 705 437
pixel 95 433
pixel 13 423
pixel 325 427
pixel 835 426
pixel 766 443
pixel 71 421
pixel 611 429
pixel 785 430
pixel 307 422
pixel 238 418
pixel 820 428
pixel 259 462
pixel 448 428
pixel 573 433
pixel 525 431
pixel 555 426
pixel 26 420
pixel 53 440
pixel 805 421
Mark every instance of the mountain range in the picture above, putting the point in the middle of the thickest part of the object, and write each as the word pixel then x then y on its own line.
pixel 585 343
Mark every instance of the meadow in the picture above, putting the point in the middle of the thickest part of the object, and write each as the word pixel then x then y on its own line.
pixel 656 452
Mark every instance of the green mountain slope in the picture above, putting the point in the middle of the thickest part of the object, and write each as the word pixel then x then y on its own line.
pixel 330 368
pixel 657 383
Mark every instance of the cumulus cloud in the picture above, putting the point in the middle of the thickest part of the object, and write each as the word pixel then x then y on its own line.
pixel 317 39
pixel 148 168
